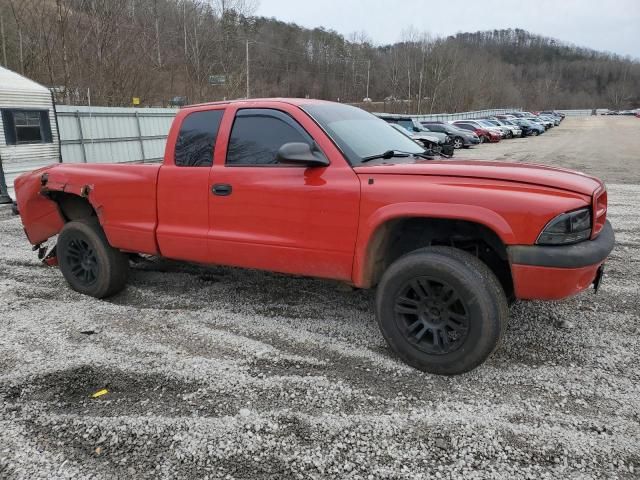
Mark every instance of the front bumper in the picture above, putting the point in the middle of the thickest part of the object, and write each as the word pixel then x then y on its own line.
pixel 555 272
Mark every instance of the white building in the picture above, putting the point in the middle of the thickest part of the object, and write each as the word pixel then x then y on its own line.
pixel 28 130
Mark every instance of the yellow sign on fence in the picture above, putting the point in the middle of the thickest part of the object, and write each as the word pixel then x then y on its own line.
pixel 135 100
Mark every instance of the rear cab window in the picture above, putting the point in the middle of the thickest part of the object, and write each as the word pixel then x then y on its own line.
pixel 197 138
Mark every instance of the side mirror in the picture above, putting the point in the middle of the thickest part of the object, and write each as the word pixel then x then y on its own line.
pixel 299 153
pixel 416 129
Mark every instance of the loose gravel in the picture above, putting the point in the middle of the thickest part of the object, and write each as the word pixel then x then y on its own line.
pixel 227 373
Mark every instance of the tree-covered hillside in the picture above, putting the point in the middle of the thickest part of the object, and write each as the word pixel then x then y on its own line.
pixel 113 50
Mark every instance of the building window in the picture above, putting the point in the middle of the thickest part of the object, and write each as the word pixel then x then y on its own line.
pixel 26 126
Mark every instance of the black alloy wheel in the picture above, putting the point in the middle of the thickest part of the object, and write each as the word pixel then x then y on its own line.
pixel 432 315
pixel 82 261
pixel 88 262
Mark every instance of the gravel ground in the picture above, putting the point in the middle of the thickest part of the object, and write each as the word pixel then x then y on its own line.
pixel 226 373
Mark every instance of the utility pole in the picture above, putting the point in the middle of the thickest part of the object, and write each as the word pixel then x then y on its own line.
pixel 420 92
pixel 184 16
pixel 21 52
pixel 155 7
pixel 368 70
pixel 247 68
pixel 4 42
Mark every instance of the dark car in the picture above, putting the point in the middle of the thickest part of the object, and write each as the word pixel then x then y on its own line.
pixel 412 125
pixel 553 113
pixel 461 138
pixel 528 127
pixel 483 134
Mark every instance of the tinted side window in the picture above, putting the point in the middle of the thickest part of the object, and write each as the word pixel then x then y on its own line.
pixel 258 134
pixel 197 139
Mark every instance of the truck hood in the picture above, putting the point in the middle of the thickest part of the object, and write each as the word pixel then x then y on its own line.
pixel 542 175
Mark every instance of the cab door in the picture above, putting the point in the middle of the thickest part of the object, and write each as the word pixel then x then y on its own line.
pixel 266 215
pixel 183 184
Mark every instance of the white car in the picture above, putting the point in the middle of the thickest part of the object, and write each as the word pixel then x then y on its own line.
pixel 421 138
pixel 514 129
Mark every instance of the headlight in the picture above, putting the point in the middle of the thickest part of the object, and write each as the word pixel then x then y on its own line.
pixel 447 138
pixel 567 228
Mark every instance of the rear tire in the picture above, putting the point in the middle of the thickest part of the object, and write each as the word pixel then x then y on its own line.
pixel 441 310
pixel 88 263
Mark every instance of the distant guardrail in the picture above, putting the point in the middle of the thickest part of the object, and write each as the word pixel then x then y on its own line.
pixel 447 117
pixel 583 112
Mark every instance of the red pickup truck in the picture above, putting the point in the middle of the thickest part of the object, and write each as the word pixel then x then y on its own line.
pixel 327 190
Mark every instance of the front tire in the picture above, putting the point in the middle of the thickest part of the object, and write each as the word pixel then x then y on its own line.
pixel 458 142
pixel 88 263
pixel 441 310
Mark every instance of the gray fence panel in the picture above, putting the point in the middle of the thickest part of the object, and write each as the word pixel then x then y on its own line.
pixel 113 135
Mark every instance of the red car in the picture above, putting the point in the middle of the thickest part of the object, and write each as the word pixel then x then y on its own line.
pixel 327 190
pixel 484 134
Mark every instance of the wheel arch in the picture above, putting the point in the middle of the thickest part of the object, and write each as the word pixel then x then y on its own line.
pixel 73 207
pixel 394 231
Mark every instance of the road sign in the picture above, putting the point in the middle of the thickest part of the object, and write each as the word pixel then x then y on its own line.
pixel 217 79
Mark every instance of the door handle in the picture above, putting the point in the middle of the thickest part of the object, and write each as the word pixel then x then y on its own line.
pixel 222 189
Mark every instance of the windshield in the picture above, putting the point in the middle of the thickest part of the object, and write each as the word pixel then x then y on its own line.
pixel 486 123
pixel 358 133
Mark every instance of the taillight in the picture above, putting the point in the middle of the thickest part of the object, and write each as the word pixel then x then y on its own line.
pixel 599 211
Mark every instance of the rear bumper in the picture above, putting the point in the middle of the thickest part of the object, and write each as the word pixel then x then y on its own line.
pixel 554 272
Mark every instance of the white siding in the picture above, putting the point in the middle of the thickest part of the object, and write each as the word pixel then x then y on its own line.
pixel 19 92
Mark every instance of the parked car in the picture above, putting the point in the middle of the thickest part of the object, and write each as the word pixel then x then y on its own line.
pixel 545 123
pixel 521 114
pixel 504 131
pixel 530 128
pixel 552 118
pixel 553 113
pixel 461 138
pixel 445 244
pixel 512 123
pixel 485 134
pixel 514 130
pixel 427 140
pixel 414 126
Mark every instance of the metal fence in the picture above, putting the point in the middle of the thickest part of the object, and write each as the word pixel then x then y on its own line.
pixel 446 117
pixel 583 112
pixel 113 135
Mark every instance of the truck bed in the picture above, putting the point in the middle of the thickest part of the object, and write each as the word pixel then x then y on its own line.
pixel 124 197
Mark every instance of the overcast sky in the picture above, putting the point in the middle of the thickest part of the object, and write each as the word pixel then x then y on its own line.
pixel 607 25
